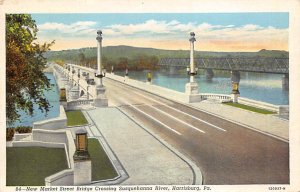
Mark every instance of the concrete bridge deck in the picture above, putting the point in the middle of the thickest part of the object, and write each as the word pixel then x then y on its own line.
pixel 227 152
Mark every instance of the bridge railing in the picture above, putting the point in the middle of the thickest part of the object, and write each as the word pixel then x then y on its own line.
pixel 218 97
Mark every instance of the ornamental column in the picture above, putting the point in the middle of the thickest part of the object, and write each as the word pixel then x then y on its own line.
pixel 191 88
pixel 100 99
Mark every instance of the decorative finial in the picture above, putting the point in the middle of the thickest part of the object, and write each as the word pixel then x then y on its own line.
pixel 99 36
pixel 99 32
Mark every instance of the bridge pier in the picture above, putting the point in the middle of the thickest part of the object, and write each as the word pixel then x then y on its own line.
pixel 209 74
pixel 235 80
pixel 285 82
pixel 172 70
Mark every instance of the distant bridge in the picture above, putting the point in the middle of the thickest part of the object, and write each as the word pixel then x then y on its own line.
pixel 261 65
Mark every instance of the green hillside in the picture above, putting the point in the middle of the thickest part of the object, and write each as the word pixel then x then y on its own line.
pixel 137 58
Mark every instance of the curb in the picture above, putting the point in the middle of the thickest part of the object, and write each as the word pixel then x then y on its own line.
pixel 197 174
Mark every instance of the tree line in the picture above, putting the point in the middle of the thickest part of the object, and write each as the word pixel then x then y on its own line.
pixel 137 62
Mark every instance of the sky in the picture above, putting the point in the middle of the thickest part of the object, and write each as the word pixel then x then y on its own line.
pixel 214 31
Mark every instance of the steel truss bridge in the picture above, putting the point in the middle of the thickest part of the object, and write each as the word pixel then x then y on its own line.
pixel 260 65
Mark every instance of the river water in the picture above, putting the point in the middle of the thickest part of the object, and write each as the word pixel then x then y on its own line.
pixel 53 98
pixel 258 86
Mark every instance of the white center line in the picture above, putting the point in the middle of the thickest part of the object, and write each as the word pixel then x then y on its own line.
pixel 196 128
pixel 153 118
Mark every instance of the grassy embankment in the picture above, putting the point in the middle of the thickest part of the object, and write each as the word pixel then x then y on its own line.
pixel 76 118
pixel 102 167
pixel 29 166
pixel 250 108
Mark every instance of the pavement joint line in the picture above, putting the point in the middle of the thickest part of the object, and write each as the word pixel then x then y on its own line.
pixel 122 173
pixel 213 114
pixel 153 118
pixel 196 128
pixel 178 110
pixel 197 174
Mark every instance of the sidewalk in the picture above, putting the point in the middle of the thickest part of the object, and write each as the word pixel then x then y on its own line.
pixel 268 124
pixel 145 159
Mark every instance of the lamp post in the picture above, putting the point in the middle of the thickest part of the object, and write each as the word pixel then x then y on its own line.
pixel 192 64
pixel 99 57
pixel 100 99
pixel 82 159
pixel 191 88
pixel 81 152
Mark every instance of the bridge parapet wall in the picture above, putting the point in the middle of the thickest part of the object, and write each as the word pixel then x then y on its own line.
pixel 53 123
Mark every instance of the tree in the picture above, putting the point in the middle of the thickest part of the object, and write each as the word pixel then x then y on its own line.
pixel 25 80
pixel 82 59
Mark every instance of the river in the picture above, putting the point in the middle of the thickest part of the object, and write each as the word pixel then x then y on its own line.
pixel 53 98
pixel 258 86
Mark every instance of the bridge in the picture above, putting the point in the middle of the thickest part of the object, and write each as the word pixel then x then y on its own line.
pixel 259 65
pixel 250 156
pixel 197 133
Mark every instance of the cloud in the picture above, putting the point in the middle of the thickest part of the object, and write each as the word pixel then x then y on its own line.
pixel 161 34
pixel 74 29
pixel 152 26
pixel 251 27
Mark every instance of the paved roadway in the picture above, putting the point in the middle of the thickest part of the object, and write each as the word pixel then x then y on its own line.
pixel 226 153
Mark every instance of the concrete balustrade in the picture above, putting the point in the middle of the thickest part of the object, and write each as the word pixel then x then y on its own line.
pixel 220 97
pixel 74 85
